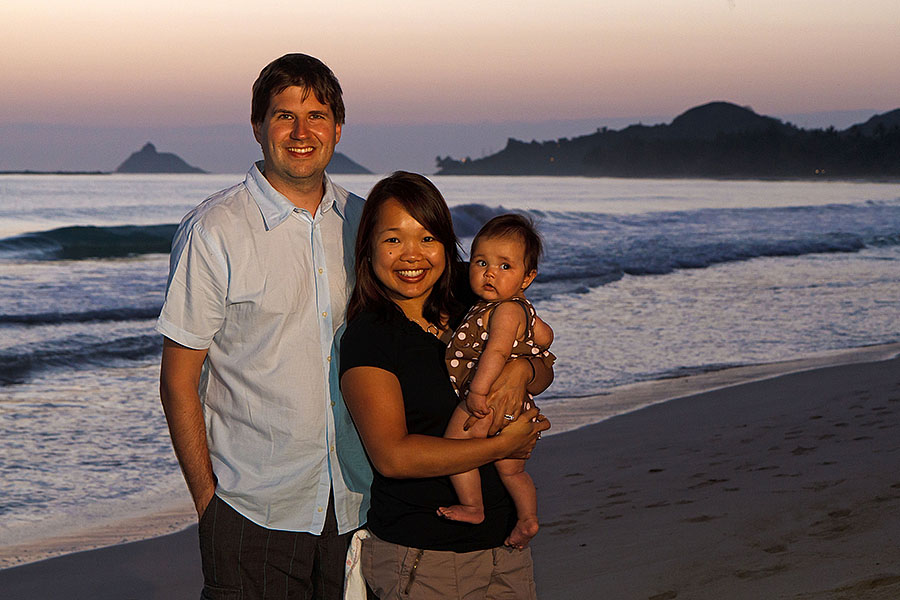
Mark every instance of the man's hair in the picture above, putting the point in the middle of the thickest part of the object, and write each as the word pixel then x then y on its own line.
pixel 422 200
pixel 301 70
pixel 516 226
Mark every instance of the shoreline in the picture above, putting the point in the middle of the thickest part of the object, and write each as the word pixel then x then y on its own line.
pixel 784 487
pixel 567 415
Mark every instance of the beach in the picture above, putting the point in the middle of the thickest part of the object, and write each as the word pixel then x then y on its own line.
pixel 781 481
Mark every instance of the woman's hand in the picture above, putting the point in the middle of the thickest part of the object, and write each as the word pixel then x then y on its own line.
pixel 523 433
pixel 507 394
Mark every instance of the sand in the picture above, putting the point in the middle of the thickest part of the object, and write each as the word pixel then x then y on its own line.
pixel 787 487
pixel 783 488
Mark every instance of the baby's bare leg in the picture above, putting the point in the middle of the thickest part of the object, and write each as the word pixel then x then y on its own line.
pixel 520 486
pixel 467 485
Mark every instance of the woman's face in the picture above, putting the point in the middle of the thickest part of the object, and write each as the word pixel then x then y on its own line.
pixel 406 258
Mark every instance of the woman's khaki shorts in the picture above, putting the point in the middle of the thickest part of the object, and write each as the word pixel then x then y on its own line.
pixel 394 572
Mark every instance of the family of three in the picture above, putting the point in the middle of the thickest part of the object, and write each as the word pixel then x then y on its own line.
pixel 316 350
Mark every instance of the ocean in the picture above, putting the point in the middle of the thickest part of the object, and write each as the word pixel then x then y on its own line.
pixel 641 280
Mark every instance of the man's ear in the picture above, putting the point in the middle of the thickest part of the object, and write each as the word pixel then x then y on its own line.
pixel 337 133
pixel 256 127
pixel 528 279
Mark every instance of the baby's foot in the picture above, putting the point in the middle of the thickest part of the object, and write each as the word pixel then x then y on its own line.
pixel 522 533
pixel 462 512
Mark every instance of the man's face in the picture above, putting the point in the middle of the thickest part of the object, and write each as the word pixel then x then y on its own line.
pixel 297 137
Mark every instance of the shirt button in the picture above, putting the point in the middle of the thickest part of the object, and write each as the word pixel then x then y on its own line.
pixel 319 509
pixel 329 359
pixel 332 447
pixel 324 314
pixel 332 403
pixel 321 271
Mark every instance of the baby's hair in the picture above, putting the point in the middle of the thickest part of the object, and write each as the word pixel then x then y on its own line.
pixel 518 226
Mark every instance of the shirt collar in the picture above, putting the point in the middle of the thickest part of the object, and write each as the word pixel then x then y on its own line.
pixel 275 208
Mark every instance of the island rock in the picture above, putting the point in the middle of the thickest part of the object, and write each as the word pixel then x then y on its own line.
pixel 148 160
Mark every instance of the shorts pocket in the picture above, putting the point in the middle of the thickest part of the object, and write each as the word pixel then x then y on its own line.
pixel 389 569
pixel 219 592
pixel 208 513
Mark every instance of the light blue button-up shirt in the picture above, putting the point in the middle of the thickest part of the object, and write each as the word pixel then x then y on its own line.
pixel 263 285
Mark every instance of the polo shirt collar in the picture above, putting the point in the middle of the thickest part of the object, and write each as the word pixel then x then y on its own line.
pixel 275 208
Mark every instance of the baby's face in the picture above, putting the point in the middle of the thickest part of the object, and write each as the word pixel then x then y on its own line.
pixel 497 268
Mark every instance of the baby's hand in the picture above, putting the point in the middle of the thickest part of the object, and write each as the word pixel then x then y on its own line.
pixel 476 404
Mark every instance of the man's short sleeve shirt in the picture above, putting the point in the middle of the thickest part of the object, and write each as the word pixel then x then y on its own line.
pixel 263 286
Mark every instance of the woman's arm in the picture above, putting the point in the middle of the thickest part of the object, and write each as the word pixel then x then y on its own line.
pixel 375 401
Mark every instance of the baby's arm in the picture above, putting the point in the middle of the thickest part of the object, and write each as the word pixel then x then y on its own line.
pixel 543 334
pixel 507 322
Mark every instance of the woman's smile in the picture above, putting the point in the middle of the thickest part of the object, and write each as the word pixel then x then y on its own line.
pixel 411 275
pixel 406 258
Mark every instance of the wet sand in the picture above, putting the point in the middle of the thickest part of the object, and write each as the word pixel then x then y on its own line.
pixel 783 488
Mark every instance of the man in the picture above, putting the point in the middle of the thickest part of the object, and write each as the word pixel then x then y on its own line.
pixel 257 289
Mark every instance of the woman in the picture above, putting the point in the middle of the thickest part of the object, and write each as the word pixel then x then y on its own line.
pixel 395 383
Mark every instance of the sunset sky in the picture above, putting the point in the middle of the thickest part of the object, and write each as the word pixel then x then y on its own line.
pixel 123 71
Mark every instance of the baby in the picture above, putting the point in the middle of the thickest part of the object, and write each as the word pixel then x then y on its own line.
pixel 502 325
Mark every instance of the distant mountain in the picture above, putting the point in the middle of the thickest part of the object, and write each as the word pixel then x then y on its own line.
pixel 718 139
pixel 709 120
pixel 342 165
pixel 883 123
pixel 148 160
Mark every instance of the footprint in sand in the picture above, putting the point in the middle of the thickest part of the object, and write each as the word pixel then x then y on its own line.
pixel 702 518
pixel 865 587
pixel 559 523
pixel 760 573
pixel 818 486
pixel 707 483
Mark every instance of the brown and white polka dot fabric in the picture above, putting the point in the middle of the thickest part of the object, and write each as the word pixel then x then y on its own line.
pixel 470 337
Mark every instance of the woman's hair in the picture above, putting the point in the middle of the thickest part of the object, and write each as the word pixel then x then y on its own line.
pixel 422 200
pixel 516 226
pixel 301 70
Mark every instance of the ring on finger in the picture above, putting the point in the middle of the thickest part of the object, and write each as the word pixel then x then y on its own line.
pixel 509 417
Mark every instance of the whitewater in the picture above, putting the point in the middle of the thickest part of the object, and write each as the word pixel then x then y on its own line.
pixel 642 280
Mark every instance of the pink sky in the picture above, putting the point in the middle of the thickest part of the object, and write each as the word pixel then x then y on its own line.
pixel 417 62
pixel 191 63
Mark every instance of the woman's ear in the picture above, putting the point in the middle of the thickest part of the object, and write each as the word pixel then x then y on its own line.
pixel 528 279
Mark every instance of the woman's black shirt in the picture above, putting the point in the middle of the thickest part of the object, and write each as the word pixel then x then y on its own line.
pixel 403 511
